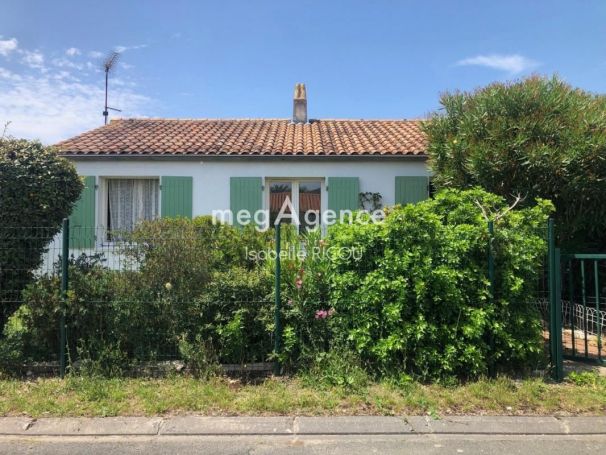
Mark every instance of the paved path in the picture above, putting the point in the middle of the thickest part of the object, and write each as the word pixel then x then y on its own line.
pixel 272 435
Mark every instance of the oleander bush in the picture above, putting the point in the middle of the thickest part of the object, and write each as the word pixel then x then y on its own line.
pixel 537 137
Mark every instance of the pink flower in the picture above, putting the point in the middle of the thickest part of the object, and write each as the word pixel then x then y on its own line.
pixel 321 314
pixel 299 283
pixel 289 302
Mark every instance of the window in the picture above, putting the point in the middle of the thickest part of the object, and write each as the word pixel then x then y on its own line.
pixel 310 194
pixel 304 196
pixel 279 193
pixel 130 201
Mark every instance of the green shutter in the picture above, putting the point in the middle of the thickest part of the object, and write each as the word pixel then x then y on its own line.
pixel 245 193
pixel 176 197
pixel 343 194
pixel 82 228
pixel 411 189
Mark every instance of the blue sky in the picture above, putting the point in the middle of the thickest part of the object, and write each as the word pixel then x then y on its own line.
pixel 241 59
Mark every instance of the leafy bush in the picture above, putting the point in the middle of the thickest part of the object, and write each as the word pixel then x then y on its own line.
pixel 37 190
pixel 538 137
pixel 36 322
pixel 305 298
pixel 184 284
pixel 418 298
pixel 236 315
pixel 413 301
pixel 199 357
pixel 336 368
pixel 183 253
pixel 12 343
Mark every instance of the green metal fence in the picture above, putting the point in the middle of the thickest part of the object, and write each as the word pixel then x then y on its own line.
pixel 583 306
pixel 148 307
pixel 70 294
pixel 577 306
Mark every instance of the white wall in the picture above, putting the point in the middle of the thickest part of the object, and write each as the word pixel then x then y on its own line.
pixel 211 178
pixel 211 183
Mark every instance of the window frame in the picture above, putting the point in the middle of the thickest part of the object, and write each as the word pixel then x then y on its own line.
pixel 295 183
pixel 102 204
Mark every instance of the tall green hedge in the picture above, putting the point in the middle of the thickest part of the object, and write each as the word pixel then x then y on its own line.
pixel 37 190
pixel 537 137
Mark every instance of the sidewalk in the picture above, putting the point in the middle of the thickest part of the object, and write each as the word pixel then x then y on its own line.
pixel 301 426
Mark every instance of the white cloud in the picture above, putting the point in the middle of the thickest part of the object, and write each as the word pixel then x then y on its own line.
pixel 130 48
pixel 33 59
pixel 52 108
pixel 96 54
pixel 60 100
pixel 513 64
pixel 65 63
pixel 8 46
pixel 6 74
pixel 72 51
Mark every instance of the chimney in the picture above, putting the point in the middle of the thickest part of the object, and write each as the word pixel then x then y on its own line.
pixel 299 111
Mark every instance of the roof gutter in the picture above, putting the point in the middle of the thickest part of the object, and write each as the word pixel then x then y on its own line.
pixel 168 157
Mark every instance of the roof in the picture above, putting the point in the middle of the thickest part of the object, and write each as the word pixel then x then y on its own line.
pixel 255 137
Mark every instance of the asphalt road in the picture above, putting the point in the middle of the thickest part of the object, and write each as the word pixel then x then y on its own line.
pixel 350 445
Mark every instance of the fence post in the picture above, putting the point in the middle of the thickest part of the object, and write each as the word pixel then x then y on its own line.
pixel 64 287
pixel 278 302
pixel 550 285
pixel 555 307
pixel 557 310
pixel 491 371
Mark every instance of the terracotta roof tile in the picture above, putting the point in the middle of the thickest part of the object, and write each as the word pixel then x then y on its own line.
pixel 250 137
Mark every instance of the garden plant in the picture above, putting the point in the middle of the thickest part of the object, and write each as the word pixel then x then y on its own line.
pixel 406 297
pixel 533 138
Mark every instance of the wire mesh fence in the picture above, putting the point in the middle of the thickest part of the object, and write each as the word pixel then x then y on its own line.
pixel 182 292
pixel 25 253
pixel 133 298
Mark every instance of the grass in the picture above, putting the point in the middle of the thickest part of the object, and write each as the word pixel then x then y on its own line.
pixel 581 394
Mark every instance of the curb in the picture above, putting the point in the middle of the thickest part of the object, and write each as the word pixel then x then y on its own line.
pixel 301 426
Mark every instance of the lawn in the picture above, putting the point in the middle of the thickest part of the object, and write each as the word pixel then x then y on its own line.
pixel 583 393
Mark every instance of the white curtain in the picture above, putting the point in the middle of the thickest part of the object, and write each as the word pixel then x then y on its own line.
pixel 130 201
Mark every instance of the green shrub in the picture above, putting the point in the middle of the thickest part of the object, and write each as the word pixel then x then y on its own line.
pixel 199 357
pixel 236 315
pixel 418 299
pixel 37 190
pixel 101 358
pixel 183 253
pixel 538 137
pixel 87 309
pixel 13 342
pixel 336 368
pixel 305 299
pixel 413 301
pixel 586 378
pixel 181 281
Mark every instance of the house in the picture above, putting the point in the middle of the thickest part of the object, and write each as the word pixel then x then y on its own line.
pixel 146 168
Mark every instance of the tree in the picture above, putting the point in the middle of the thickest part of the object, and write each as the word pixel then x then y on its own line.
pixel 538 138
pixel 38 189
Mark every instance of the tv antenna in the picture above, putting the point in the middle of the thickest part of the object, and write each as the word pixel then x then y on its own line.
pixel 108 65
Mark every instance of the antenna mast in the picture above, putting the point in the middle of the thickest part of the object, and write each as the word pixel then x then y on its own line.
pixel 108 65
